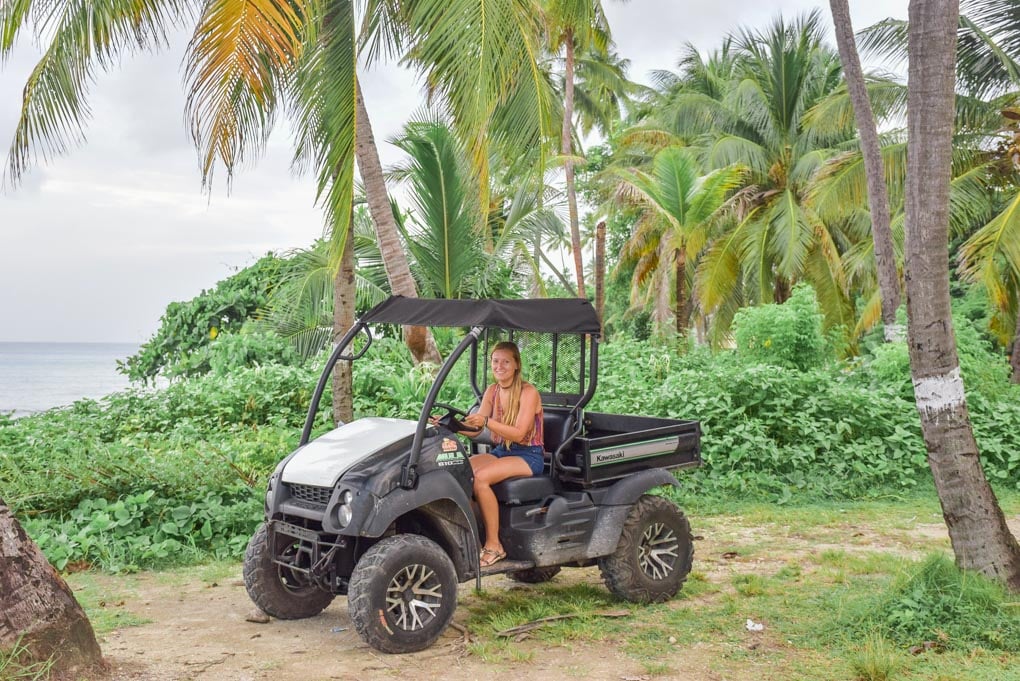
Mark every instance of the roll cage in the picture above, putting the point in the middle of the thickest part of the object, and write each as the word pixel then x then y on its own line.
pixel 566 329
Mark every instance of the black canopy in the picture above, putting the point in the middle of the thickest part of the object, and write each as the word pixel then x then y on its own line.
pixel 548 315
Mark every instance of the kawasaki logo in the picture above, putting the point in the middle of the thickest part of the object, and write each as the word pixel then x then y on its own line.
pixel 603 458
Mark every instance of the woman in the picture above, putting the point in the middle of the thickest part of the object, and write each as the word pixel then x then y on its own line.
pixel 512 411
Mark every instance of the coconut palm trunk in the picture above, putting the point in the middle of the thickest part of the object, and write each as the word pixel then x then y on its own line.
pixel 977 529
pixel 344 296
pixel 1014 357
pixel 418 338
pixel 683 297
pixel 600 267
pixel 568 164
pixel 878 194
pixel 38 610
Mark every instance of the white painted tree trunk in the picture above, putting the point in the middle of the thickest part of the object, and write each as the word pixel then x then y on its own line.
pixel 977 528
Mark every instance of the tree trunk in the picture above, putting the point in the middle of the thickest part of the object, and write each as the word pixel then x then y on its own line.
pixel 683 298
pixel 38 610
pixel 663 293
pixel 977 529
pixel 1014 357
pixel 878 194
pixel 418 338
pixel 568 164
pixel 782 290
pixel 344 295
pixel 600 267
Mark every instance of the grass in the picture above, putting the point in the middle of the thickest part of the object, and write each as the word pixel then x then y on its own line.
pixel 842 590
pixel 807 574
pixel 13 667
pixel 107 609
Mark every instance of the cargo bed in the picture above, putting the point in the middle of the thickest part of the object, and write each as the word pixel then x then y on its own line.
pixel 612 446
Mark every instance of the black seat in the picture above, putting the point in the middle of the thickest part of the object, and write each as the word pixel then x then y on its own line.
pixel 517 491
pixel 556 427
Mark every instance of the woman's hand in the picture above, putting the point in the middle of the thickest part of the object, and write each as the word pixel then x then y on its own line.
pixel 476 421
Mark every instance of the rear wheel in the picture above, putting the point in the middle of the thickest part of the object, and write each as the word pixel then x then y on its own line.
pixel 402 594
pixel 535 575
pixel 278 590
pixel 654 555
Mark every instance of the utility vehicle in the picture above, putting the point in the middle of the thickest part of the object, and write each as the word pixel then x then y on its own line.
pixel 380 509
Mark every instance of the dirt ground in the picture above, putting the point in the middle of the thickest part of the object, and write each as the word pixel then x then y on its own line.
pixel 198 629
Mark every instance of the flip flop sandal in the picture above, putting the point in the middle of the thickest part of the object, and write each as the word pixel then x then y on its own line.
pixel 489 557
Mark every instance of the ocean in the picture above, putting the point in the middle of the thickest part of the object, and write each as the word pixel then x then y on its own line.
pixel 35 377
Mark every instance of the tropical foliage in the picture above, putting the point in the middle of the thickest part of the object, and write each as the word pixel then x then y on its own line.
pixel 753 103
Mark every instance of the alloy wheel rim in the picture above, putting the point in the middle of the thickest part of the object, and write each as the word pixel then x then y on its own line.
pixel 414 597
pixel 658 551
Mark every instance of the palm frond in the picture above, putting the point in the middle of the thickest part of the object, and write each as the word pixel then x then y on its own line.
pixel 323 92
pixel 237 60
pixel 886 39
pixel 444 245
pixel 791 234
pixel 472 53
pixel 78 38
pixel 992 255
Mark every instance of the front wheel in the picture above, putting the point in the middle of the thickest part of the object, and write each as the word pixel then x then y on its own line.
pixel 280 591
pixel 654 555
pixel 402 594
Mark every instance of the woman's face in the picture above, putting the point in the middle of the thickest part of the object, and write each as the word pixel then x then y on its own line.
pixel 503 365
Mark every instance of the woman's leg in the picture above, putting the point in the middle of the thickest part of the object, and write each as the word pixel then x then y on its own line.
pixel 479 461
pixel 486 476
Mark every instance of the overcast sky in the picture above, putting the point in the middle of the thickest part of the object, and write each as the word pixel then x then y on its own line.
pixel 95 243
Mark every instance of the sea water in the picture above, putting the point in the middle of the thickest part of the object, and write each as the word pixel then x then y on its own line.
pixel 35 377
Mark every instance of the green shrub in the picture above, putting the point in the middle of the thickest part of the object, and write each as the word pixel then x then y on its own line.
pixel 943 606
pixel 231 351
pixel 146 530
pixel 787 335
pixel 187 327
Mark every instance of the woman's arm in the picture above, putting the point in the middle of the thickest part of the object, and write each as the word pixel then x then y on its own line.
pixel 480 417
pixel 515 432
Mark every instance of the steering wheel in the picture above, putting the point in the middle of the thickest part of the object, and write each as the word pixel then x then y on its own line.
pixel 450 421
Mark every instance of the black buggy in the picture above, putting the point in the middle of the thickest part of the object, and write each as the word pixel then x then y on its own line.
pixel 380 509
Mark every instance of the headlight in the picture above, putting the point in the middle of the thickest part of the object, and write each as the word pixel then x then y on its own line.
pixel 344 512
pixel 269 493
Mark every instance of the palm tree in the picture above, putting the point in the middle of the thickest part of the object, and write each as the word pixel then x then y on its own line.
pixel 673 228
pixel 248 59
pixel 878 196
pixel 986 184
pixel 443 239
pixel 574 25
pixel 977 528
pixel 749 104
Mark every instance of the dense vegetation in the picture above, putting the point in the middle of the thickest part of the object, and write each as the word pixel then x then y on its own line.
pixel 147 476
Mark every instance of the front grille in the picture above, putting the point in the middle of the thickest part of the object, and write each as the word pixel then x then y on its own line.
pixel 311 494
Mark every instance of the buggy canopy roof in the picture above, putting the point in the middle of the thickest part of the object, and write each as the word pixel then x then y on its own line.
pixel 547 315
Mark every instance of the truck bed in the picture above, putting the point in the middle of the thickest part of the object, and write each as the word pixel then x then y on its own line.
pixel 614 445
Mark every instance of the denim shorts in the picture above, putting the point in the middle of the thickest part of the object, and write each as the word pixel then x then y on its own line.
pixel 533 455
